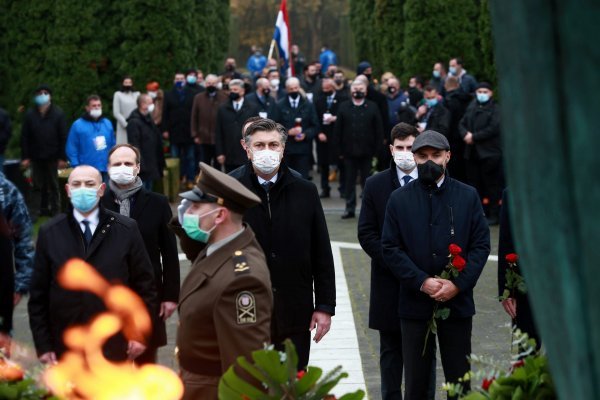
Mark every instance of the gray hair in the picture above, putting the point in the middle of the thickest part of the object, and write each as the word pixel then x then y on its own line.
pixel 265 125
pixel 236 82
pixel 291 80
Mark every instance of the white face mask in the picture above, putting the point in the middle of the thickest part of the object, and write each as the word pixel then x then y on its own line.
pixel 152 94
pixel 266 161
pixel 274 83
pixel 96 113
pixel 404 160
pixel 121 175
pixel 151 108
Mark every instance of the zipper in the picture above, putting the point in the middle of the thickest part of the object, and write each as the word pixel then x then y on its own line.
pixel 269 204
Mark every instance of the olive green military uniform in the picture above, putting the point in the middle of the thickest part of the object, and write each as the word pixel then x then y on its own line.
pixel 225 302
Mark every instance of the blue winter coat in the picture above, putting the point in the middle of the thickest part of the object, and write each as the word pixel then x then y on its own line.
pixel 89 142
pixel 420 223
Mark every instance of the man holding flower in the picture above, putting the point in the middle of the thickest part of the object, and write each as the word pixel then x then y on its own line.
pixel 423 218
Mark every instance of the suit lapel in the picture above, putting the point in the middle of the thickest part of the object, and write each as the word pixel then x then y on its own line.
pixel 104 225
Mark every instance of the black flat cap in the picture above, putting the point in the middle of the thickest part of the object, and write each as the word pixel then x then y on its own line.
pixel 213 186
pixel 484 85
pixel 430 139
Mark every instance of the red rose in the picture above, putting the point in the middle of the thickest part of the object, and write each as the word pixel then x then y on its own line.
pixel 512 258
pixel 454 249
pixel 485 385
pixel 518 364
pixel 300 374
pixel 459 263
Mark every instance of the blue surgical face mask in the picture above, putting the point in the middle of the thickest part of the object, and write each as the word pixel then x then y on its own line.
pixel 452 70
pixel 483 97
pixel 42 99
pixel 179 84
pixel 431 102
pixel 191 226
pixel 84 199
pixel 436 73
pixel 191 79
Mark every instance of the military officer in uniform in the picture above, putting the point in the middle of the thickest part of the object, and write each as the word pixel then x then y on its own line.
pixel 225 303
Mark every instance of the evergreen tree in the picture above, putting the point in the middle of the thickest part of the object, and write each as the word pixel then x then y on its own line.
pixel 438 30
pixel 390 35
pixel 362 22
pixel 488 65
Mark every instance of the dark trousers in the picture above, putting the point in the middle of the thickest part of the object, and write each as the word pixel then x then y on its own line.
pixel 324 171
pixel 486 176
pixel 299 162
pixel 45 197
pixel 302 342
pixel 391 365
pixel 454 337
pixel 524 320
pixel 207 154
pixel 355 166
pixel 187 162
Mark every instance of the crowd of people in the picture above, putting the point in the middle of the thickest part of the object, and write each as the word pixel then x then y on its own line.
pixel 251 221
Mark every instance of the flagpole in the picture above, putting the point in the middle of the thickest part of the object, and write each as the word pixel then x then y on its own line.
pixel 271 49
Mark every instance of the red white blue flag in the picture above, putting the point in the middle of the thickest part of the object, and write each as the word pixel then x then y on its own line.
pixel 283 38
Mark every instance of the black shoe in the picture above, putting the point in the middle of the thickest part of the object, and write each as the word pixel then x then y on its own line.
pixel 324 194
pixel 347 215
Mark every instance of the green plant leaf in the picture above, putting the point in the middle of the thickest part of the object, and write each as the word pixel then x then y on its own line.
pixel 236 383
pixel 309 379
pixel 325 387
pixel 358 395
pixel 269 361
pixel 442 313
pixel 256 372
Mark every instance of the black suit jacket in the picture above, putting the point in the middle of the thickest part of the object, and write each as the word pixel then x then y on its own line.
pixel 116 252
pixel 152 213
pixel 229 131
pixel 327 151
pixel 383 313
pixel 269 106
pixel 286 116
pixel 439 120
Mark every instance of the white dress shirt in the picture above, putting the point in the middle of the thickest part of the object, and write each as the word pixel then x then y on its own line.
pixel 413 174
pixel 93 218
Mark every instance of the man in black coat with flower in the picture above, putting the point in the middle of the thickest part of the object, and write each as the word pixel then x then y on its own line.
pixel 422 219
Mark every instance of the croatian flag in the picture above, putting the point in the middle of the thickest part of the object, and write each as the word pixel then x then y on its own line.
pixel 283 38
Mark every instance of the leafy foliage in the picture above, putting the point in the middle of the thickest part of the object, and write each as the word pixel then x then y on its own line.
pixel 277 373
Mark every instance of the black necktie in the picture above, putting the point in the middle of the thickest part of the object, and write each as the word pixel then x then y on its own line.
pixel 87 233
pixel 267 185
pixel 406 179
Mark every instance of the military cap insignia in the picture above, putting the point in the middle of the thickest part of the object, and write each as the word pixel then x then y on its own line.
pixel 245 305
pixel 239 262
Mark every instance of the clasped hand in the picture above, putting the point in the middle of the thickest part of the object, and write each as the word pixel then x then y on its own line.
pixel 440 289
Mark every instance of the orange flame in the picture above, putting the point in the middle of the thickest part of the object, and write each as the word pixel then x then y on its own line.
pixel 83 372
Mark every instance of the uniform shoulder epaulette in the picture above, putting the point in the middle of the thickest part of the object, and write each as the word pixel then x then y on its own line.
pixel 240 265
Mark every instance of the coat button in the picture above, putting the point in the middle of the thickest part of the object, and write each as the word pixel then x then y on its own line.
pixel 274 290
pixel 435 255
pixel 108 225
pixel 273 255
pixel 112 218
pixel 103 231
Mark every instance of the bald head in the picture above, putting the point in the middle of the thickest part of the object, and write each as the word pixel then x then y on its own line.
pixel 85 173
pixel 363 79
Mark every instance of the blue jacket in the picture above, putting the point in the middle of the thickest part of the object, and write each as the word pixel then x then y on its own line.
pixel 383 314
pixel 14 211
pixel 420 224
pixel 90 141
pixel 255 64
pixel 327 58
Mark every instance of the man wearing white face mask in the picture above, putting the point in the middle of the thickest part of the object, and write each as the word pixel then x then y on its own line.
pixel 383 315
pixel 145 135
pixel 152 212
pixel 108 241
pixel 291 229
pixel 90 138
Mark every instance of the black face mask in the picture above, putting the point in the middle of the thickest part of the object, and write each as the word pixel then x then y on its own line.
pixel 391 90
pixel 234 96
pixel 229 67
pixel 313 76
pixel 328 93
pixel 126 88
pixel 430 172
pixel 368 76
pixel 358 95
pixel 266 92
pixel 338 81
pixel 211 89
pixel 294 95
